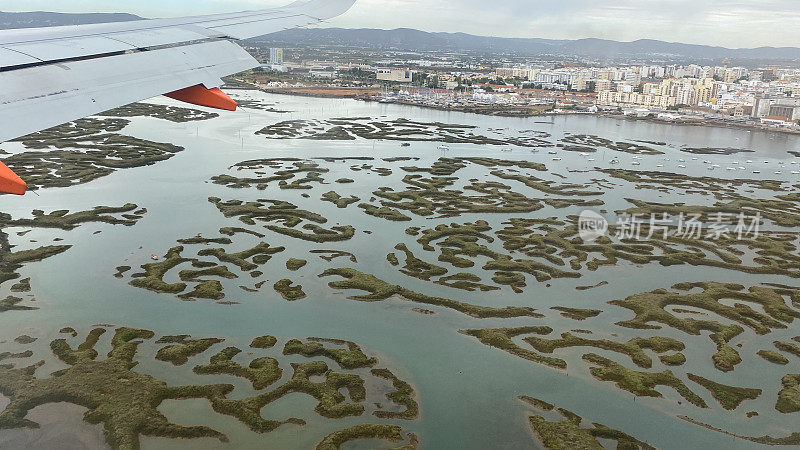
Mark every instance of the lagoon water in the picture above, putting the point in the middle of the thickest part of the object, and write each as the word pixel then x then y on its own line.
pixel 467 391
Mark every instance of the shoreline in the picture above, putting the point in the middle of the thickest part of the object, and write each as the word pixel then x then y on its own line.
pixel 697 123
pixel 522 111
pixel 310 91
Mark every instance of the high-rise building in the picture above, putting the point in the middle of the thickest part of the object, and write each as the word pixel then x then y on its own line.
pixel 276 56
pixel 603 85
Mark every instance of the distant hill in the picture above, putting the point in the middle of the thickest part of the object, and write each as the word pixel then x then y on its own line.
pixel 36 19
pixel 415 40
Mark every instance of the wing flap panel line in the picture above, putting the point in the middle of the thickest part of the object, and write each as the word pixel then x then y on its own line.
pixel 15 58
pixel 70 48
pixel 245 29
pixel 159 36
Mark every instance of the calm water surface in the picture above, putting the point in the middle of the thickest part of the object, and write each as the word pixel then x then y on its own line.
pixel 467 391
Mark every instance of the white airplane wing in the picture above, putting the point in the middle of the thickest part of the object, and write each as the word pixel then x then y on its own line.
pixel 49 76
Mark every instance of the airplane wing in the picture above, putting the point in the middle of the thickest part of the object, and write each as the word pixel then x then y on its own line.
pixel 49 76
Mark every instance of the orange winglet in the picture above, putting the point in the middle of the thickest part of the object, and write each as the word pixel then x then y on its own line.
pixel 201 96
pixel 11 183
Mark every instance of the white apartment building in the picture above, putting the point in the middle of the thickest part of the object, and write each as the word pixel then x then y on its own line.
pixel 513 72
pixel 624 98
pixel 561 76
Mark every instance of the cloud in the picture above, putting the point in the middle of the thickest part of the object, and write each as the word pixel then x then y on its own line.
pixel 733 23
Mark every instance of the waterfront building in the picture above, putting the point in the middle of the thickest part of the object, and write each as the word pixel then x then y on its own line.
pixel 395 75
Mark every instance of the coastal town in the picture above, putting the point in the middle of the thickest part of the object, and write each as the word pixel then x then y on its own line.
pixel 765 97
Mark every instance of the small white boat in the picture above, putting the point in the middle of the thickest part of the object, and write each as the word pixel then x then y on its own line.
pixel 681 160
pixel 694 159
pixel 681 166
pixel 590 159
pixel 730 168
pixel 551 152
pixel 556 159
pixel 443 147
pixel 778 172
pixel 659 165
pixel 742 168
pixel 614 161
pixel 756 171
pixel 584 154
pixel 795 172
pixel 749 161
pixel 736 163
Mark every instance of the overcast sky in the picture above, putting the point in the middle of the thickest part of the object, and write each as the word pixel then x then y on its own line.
pixel 730 23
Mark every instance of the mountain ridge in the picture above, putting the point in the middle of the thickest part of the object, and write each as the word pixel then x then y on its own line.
pixel 38 19
pixel 410 39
